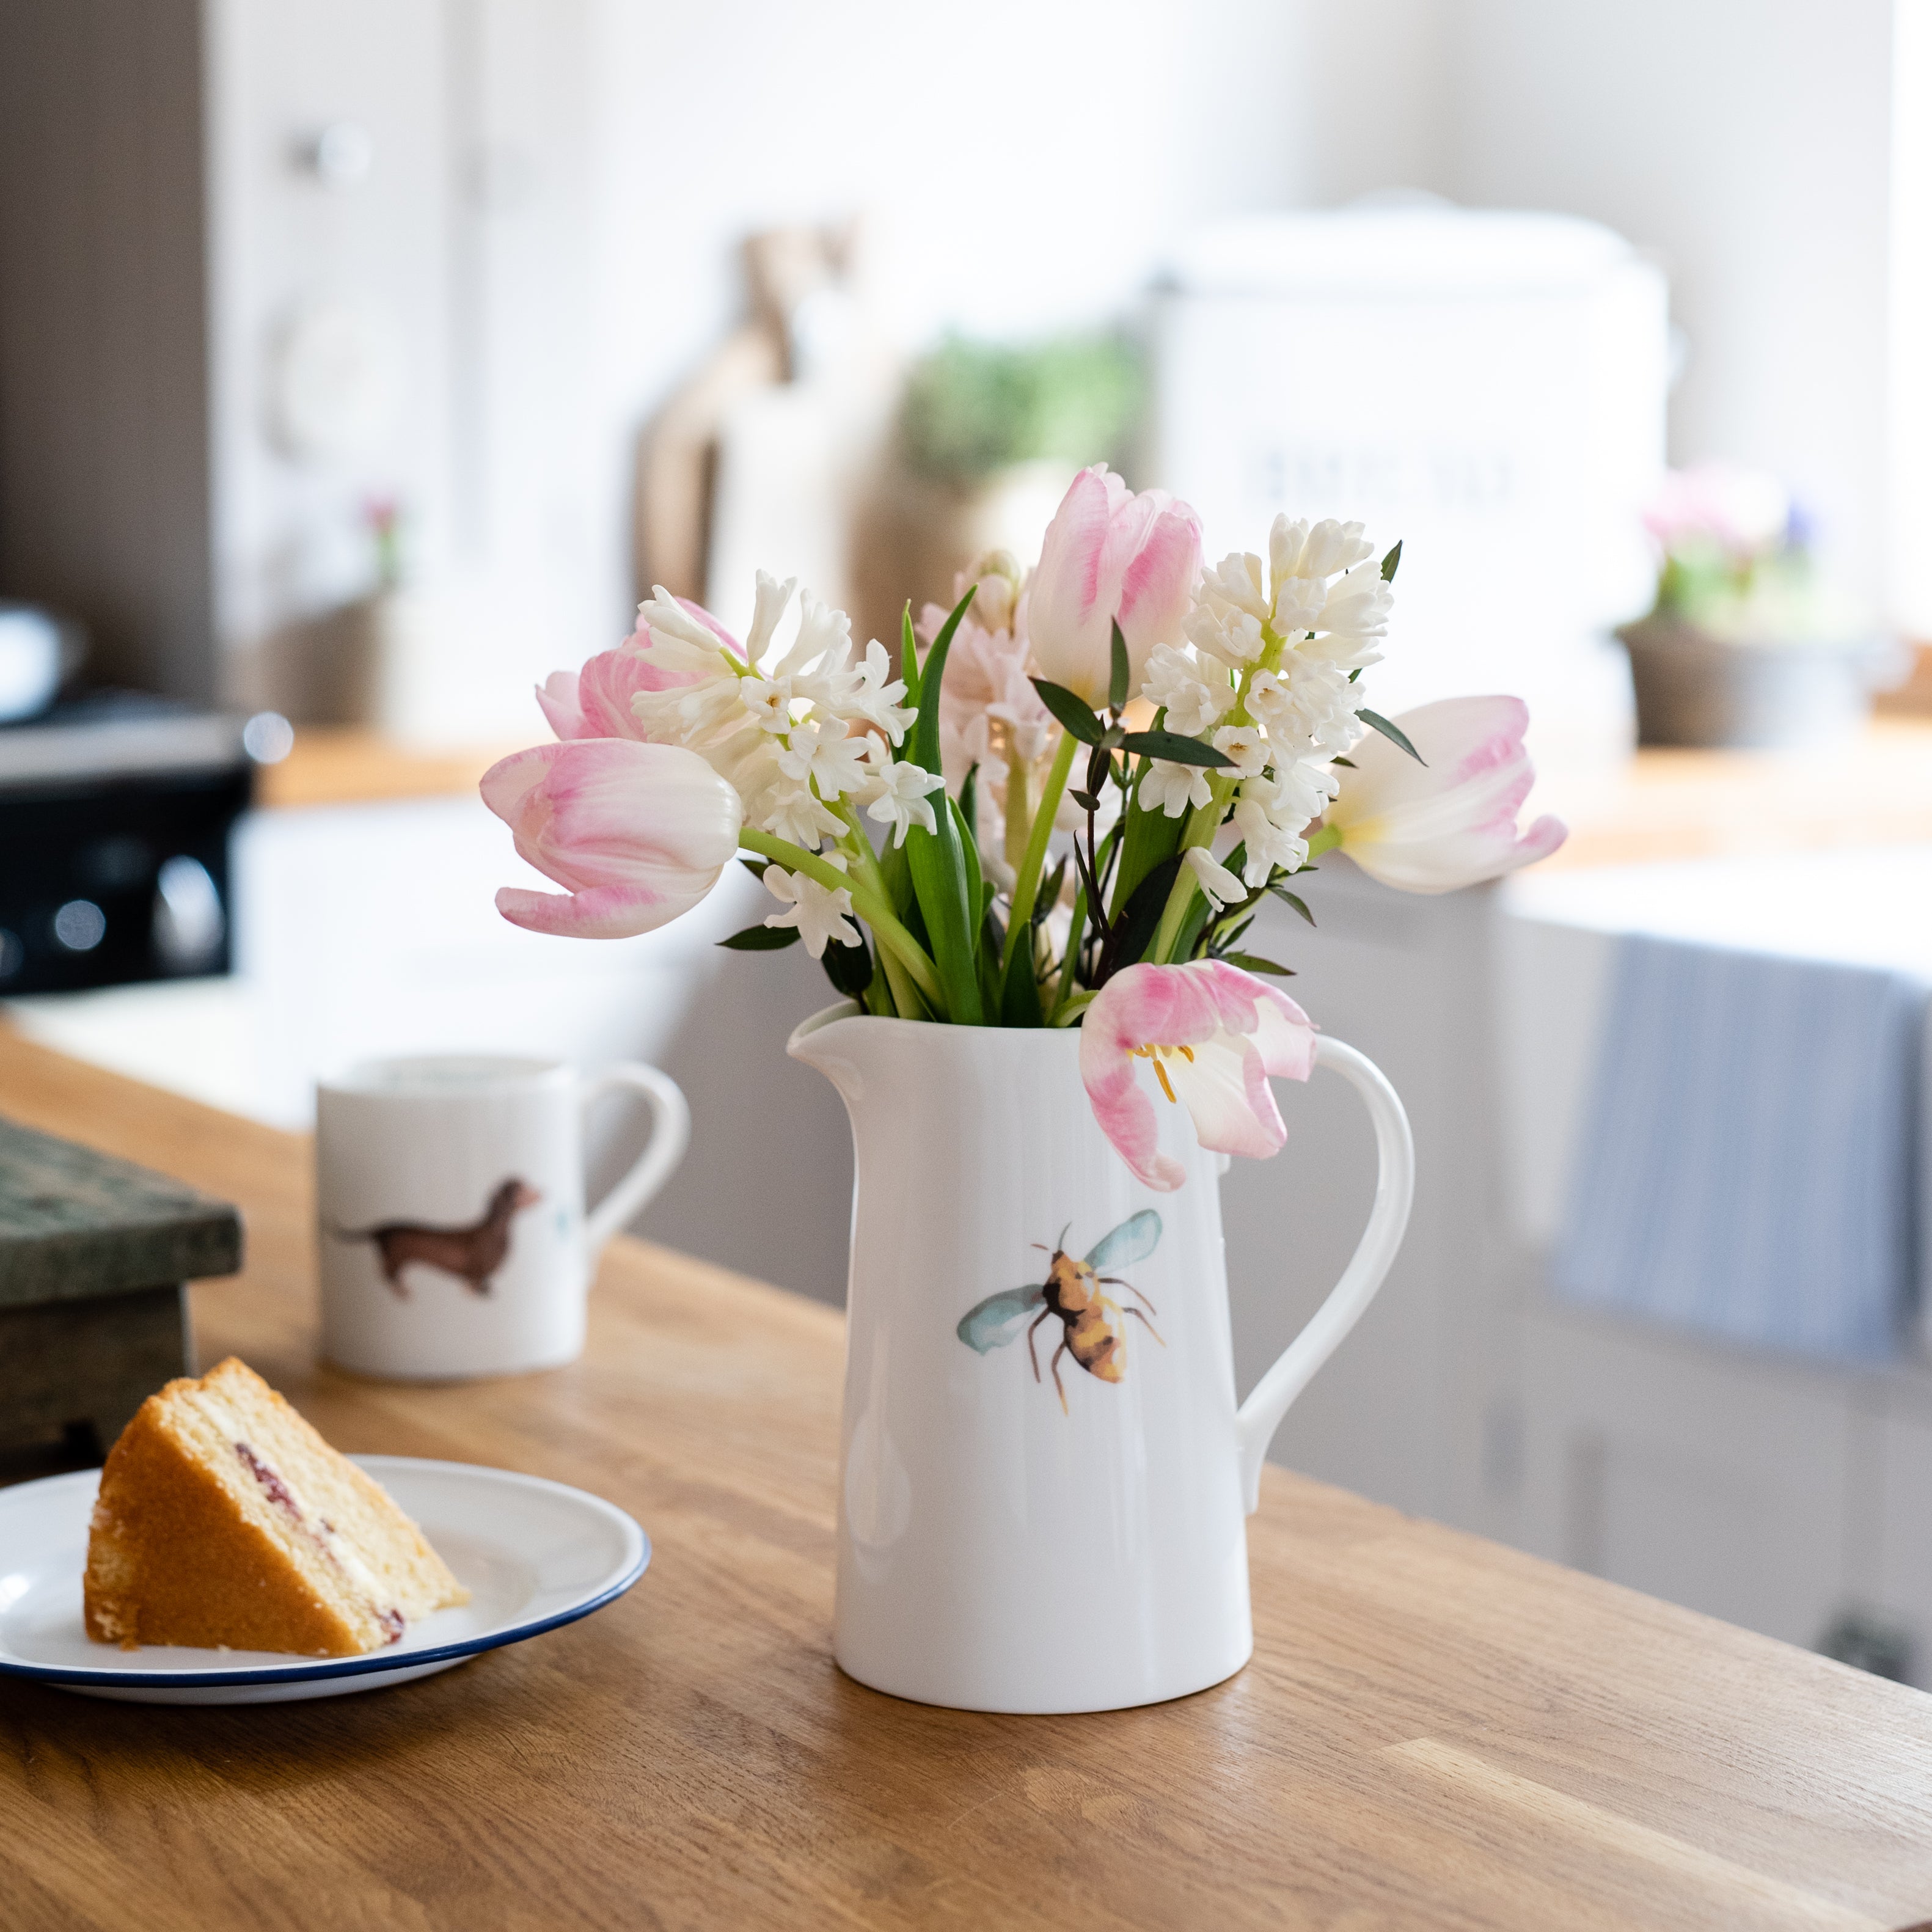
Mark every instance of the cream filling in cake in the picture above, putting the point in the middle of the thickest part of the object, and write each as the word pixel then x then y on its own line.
pixel 319 1531
pixel 301 1513
pixel 224 1518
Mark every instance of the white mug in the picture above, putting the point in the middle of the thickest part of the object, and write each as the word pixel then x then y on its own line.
pixel 451 1223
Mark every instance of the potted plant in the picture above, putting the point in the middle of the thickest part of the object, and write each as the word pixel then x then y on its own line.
pixel 989 435
pixel 1743 645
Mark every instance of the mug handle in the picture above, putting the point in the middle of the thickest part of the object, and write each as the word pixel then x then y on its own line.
pixel 1260 1416
pixel 670 1135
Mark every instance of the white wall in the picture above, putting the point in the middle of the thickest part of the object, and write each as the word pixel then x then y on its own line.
pixel 1029 165
pixel 1751 147
pixel 561 189
pixel 1019 165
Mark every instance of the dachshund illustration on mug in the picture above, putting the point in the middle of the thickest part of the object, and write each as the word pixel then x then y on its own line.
pixel 472 1254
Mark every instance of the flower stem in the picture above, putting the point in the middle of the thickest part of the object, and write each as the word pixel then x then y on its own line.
pixel 866 902
pixel 1070 1010
pixel 1026 885
pixel 902 996
pixel 1326 840
pixel 1063 987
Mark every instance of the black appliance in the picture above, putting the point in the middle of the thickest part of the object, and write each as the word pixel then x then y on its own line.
pixel 115 812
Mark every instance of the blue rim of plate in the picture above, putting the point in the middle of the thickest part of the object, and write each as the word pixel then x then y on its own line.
pixel 356 1666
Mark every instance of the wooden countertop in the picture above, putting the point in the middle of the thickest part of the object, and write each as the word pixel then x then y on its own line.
pixel 348 765
pixel 1434 1732
pixel 1672 804
pixel 1667 805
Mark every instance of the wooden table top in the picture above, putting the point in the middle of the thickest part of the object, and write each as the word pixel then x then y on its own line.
pixel 1434 1732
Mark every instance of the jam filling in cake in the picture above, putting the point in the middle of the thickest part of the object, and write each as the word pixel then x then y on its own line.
pixel 225 1520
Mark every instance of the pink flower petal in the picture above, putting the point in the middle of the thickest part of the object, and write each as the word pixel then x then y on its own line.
pixel 638 832
pixel 1157 586
pixel 557 699
pixel 1239 1029
pixel 603 912
pixel 1452 823
pixel 1225 1090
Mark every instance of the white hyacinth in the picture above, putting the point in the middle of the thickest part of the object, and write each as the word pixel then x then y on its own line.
pixel 787 729
pixel 820 914
pixel 1175 788
pixel 1194 695
pixel 1220 885
pixel 896 794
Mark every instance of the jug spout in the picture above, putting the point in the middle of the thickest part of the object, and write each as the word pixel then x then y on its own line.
pixel 843 1050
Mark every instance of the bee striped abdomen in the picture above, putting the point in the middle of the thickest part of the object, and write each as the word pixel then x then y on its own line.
pixel 1094 1346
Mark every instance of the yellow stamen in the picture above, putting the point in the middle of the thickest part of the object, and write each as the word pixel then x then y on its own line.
pixel 1157 1054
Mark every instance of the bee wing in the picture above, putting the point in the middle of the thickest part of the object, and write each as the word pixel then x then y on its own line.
pixel 993 1323
pixel 1133 1240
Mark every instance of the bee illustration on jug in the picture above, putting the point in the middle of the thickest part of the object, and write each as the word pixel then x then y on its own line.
pixel 1093 1323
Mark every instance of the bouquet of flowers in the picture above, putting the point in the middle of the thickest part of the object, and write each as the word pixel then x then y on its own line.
pixel 1063 806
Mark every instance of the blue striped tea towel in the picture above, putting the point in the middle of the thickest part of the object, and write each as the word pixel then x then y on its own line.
pixel 1747 1166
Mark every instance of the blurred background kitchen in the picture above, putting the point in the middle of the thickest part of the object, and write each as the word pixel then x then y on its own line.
pixel 361 363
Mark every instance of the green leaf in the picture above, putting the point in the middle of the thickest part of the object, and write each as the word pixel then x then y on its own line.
pixel 762 939
pixel 969 853
pixel 947 888
pixel 1288 898
pixel 1177 750
pixel 1116 679
pixel 1150 836
pixel 1099 764
pixel 898 869
pixel 1073 712
pixel 1393 733
pixel 849 968
pixel 1049 893
pixel 925 727
pixel 1133 931
pixel 909 656
pixel 1019 999
pixel 1085 800
pixel 1224 940
pixel 1197 924
pixel 756 867
pixel 1252 962
pixel 1391 563
pixel 1349 763
pixel 992 948
pixel 969 801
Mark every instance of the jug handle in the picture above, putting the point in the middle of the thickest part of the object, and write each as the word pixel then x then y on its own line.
pixel 1260 1416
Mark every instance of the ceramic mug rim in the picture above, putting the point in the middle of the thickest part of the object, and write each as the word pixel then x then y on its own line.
pixel 447 1076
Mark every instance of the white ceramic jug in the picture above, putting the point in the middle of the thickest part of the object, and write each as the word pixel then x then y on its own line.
pixel 1040 1510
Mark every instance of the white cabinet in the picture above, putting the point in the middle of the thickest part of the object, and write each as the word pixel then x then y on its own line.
pixel 1714 1478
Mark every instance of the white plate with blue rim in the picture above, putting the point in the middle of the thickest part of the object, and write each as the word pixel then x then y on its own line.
pixel 533 1555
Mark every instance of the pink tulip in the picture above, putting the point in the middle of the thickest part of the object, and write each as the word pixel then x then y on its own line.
pixel 1213 1034
pixel 595 701
pixel 1110 553
pixel 1452 822
pixel 637 833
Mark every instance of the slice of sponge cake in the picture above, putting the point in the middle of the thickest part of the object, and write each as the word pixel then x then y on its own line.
pixel 224 1519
